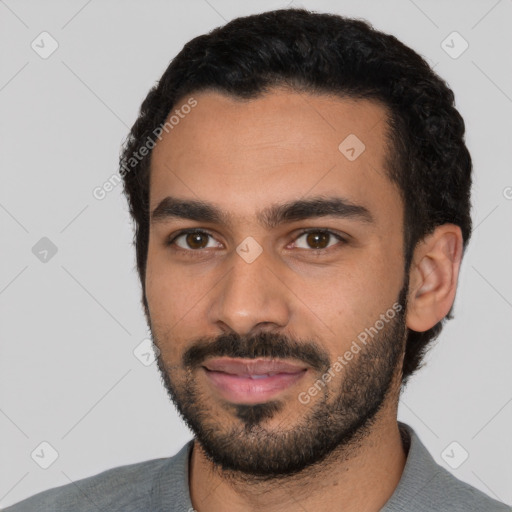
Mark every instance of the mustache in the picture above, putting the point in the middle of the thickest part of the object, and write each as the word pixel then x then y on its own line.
pixel 262 345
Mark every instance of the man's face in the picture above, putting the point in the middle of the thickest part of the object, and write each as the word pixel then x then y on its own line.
pixel 242 290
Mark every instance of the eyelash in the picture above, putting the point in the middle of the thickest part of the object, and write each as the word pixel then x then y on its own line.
pixel 199 252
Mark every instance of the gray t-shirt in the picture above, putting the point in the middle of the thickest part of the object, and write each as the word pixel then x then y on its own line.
pixel 161 485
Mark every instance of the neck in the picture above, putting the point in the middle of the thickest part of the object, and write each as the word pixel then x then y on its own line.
pixel 358 477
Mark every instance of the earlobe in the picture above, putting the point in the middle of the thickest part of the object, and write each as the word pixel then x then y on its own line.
pixel 433 277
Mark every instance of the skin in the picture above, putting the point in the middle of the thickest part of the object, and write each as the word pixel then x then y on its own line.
pixel 243 156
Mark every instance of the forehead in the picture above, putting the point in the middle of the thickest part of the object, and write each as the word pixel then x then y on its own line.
pixel 243 154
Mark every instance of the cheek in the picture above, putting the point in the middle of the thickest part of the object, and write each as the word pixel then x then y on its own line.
pixel 164 289
pixel 359 293
pixel 176 293
pixel 380 286
pixel 167 304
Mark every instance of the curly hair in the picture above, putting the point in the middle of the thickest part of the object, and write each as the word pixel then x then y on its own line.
pixel 324 53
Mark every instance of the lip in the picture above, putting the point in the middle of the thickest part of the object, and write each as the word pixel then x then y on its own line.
pixel 240 381
pixel 247 367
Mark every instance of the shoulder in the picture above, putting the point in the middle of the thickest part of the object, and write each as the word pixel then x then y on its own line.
pixel 458 496
pixel 425 486
pixel 123 488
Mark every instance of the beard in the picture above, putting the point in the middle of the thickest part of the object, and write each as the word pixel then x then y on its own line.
pixel 339 419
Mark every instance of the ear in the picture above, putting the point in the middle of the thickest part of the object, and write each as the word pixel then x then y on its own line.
pixel 433 277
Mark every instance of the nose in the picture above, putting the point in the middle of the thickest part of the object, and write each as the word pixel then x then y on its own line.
pixel 250 297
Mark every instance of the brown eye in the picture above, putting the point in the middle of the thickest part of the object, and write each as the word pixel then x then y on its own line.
pixel 318 239
pixel 192 240
pixel 196 240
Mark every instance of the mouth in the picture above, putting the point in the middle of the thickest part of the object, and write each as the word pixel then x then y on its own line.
pixel 251 381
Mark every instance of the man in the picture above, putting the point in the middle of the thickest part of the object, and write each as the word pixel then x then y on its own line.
pixel 301 193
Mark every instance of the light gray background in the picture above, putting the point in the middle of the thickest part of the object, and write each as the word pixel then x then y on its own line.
pixel 68 375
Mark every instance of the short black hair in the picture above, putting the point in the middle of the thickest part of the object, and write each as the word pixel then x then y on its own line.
pixel 324 53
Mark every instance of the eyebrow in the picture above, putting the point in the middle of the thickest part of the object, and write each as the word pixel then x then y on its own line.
pixel 270 217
